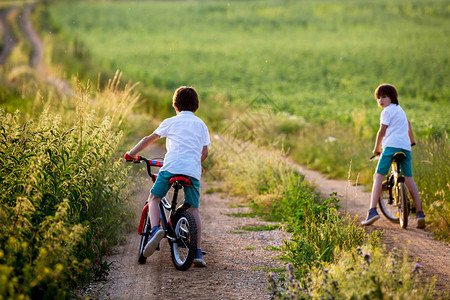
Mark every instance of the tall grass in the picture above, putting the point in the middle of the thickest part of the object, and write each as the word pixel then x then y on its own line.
pixel 364 273
pixel 63 197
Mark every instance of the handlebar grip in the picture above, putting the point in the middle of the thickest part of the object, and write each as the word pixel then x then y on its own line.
pixel 127 157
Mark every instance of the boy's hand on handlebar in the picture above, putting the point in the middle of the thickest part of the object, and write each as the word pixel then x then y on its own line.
pixel 375 154
pixel 128 157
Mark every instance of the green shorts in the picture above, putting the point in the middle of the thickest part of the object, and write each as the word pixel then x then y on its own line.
pixel 191 193
pixel 385 162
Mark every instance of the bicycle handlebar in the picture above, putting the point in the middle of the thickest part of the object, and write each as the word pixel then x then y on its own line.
pixel 375 154
pixel 149 163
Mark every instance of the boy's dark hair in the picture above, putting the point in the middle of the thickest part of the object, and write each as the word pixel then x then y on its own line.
pixel 185 98
pixel 387 90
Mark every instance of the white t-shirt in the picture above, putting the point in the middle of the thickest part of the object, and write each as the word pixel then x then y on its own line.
pixel 185 134
pixel 397 132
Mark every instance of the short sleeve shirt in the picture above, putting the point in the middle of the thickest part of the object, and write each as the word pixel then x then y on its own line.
pixel 397 131
pixel 186 135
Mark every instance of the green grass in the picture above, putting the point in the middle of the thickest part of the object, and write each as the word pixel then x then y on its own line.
pixel 309 67
pixel 319 59
pixel 261 227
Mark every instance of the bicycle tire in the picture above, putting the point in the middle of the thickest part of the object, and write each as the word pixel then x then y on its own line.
pixel 184 247
pixel 144 239
pixel 387 207
pixel 403 205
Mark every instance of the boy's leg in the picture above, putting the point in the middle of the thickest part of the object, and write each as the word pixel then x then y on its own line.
pixel 376 189
pixel 154 211
pixel 196 213
pixel 192 196
pixel 198 260
pixel 160 188
pixel 157 234
pixel 372 214
pixel 412 187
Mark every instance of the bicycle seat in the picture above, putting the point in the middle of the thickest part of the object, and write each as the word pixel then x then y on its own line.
pixel 399 157
pixel 183 180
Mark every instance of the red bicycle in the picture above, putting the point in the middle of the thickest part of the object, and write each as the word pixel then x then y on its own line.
pixel 178 224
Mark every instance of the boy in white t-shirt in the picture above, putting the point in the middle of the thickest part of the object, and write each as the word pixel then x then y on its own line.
pixel 187 141
pixel 395 135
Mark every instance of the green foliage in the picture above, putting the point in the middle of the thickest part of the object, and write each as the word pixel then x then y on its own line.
pixel 61 201
pixel 261 227
pixel 316 63
pixel 363 273
pixel 319 236
pixel 317 59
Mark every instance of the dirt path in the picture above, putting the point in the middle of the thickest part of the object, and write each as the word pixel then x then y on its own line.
pixel 8 38
pixel 36 58
pixel 237 260
pixel 433 255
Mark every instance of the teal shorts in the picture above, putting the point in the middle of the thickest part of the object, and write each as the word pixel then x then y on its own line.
pixel 385 162
pixel 191 193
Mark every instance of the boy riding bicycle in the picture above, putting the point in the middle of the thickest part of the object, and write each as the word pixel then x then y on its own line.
pixel 395 135
pixel 187 141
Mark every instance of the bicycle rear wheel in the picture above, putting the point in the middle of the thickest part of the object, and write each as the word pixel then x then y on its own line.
pixel 185 245
pixel 144 239
pixel 403 205
pixel 387 207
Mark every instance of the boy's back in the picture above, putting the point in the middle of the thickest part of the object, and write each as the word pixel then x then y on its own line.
pixel 186 135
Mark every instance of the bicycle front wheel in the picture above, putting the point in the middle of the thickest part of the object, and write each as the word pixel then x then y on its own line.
pixel 184 246
pixel 389 210
pixel 403 205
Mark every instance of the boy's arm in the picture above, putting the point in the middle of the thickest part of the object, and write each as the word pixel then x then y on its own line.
pixel 145 142
pixel 410 133
pixel 204 153
pixel 380 135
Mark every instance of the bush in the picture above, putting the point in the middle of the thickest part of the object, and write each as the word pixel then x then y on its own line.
pixel 60 193
pixel 362 273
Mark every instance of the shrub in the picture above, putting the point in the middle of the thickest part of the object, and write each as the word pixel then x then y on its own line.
pixel 362 273
pixel 61 193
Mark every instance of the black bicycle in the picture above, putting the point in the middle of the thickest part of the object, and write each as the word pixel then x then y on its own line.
pixel 177 222
pixel 395 202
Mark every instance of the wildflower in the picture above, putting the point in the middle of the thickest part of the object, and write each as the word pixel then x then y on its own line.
pixel 416 268
pixel 367 257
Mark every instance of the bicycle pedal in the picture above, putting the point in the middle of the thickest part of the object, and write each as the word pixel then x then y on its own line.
pixel 204 252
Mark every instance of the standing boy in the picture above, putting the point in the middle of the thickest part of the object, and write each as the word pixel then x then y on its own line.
pixel 187 141
pixel 395 135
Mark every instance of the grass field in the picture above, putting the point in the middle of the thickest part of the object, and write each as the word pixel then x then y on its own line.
pixel 313 64
pixel 317 59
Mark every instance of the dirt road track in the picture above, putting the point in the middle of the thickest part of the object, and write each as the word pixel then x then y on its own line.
pixel 433 255
pixel 236 261
pixel 8 38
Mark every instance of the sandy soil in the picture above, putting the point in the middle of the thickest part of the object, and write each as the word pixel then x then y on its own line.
pixel 237 260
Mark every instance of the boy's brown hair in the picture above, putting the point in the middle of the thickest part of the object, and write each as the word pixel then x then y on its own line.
pixel 387 90
pixel 185 98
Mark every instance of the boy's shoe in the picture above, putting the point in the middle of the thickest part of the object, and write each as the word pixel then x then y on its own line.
pixel 420 217
pixel 372 216
pixel 155 237
pixel 198 260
